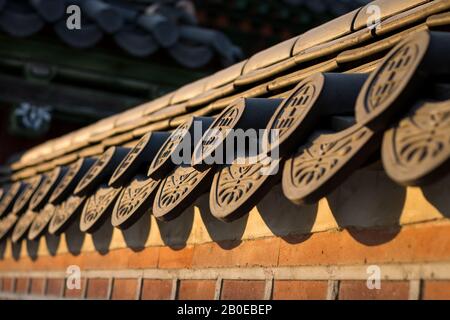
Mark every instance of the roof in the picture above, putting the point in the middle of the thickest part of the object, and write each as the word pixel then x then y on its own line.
pixel 255 25
pixel 139 29
pixel 341 96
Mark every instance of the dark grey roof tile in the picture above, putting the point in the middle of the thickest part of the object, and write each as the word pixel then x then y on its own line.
pixel 163 30
pixel 106 16
pixel 20 23
pixel 192 56
pixel 51 11
pixel 136 42
pixel 139 31
pixel 86 37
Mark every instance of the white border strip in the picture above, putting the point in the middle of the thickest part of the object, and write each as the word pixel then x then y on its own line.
pixel 418 271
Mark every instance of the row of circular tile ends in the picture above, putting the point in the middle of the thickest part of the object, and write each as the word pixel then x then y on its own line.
pixel 393 108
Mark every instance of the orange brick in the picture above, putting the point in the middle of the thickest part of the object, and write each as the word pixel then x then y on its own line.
pixel 22 285
pixel 115 259
pixel 74 293
pixel 436 290
pixel 243 289
pixel 8 284
pixel 37 286
pixel 196 290
pixel 357 290
pixel 426 242
pixel 124 289
pixel 175 259
pixel 262 252
pixel 54 287
pixel 417 243
pixel 300 290
pixel 156 289
pixel 147 258
pixel 97 289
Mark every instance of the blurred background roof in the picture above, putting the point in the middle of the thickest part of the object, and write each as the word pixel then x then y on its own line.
pixel 55 79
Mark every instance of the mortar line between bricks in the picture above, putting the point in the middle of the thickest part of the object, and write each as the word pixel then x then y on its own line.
pixel 422 290
pixel 174 291
pixel 333 289
pixel 218 289
pixel 44 286
pixel 425 271
pixel 85 288
pixel 414 289
pixel 110 288
pixel 278 252
pixel 28 286
pixel 268 289
pixel 63 288
pixel 140 282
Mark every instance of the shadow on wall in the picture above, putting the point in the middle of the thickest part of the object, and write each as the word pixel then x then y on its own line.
pixel 376 203
pixel 32 248
pixel 227 235
pixel 16 249
pixel 52 242
pixel 3 245
pixel 285 219
pixel 137 234
pixel 361 208
pixel 74 237
pixel 102 237
pixel 175 233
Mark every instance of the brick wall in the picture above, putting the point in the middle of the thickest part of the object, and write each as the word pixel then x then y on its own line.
pixel 413 264
pixel 277 251
pixel 155 289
